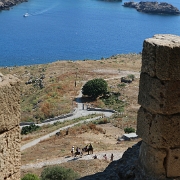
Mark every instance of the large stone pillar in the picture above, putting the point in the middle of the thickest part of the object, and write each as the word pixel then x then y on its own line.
pixel 159 115
pixel 9 128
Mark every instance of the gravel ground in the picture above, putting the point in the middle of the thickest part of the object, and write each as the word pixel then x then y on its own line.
pixel 117 155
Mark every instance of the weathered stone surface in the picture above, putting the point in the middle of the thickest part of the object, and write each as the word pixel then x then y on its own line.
pixel 173 163
pixel 151 161
pixel 15 176
pixel 9 103
pixel 159 131
pixel 157 96
pixel 10 155
pixel 161 57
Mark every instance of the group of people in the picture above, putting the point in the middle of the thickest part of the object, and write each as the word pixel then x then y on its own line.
pixel 79 151
pixel 76 152
pixel 87 148
pixel 111 158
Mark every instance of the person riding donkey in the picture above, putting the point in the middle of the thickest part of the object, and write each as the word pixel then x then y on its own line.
pixel 78 152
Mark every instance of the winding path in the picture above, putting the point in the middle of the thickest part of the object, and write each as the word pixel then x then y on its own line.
pixel 78 113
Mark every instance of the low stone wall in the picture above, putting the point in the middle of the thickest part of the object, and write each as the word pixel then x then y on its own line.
pixel 99 109
pixel 67 115
pixel 58 117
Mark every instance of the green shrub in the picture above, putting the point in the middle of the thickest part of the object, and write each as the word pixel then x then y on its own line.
pixel 121 85
pixel 131 76
pixel 58 173
pixel 29 129
pixel 30 177
pixel 95 88
pixel 102 121
pixel 129 130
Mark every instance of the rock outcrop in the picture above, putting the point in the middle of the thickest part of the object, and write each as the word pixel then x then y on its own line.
pixel 153 7
pixel 7 4
pixel 10 141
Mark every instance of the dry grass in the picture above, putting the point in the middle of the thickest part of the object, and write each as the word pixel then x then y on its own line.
pixel 55 147
pixel 57 97
pixel 46 129
pixel 59 90
pixel 83 167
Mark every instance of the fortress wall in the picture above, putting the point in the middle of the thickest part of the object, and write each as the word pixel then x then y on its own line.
pixel 159 115
pixel 10 160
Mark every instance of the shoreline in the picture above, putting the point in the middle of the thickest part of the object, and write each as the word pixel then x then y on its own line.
pixel 7 5
pixel 110 57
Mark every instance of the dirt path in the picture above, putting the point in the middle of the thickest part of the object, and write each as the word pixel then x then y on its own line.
pixel 117 155
pixel 79 112
pixel 36 141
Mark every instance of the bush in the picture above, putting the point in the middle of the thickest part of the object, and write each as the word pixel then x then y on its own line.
pixel 131 76
pixel 58 173
pixel 129 130
pixel 95 88
pixel 29 129
pixel 30 177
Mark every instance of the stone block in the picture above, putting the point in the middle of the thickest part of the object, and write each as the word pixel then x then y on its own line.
pixel 151 161
pixel 158 130
pixel 159 96
pixel 173 163
pixel 10 154
pixel 9 103
pixel 161 57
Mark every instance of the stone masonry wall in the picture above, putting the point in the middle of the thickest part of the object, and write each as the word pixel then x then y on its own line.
pixel 159 115
pixel 10 144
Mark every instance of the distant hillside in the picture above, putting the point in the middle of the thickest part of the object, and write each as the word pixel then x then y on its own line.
pixel 6 4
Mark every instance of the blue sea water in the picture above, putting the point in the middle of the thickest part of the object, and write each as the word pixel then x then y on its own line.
pixel 76 30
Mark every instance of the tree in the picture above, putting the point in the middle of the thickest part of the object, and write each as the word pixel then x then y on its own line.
pixel 30 176
pixel 58 173
pixel 95 88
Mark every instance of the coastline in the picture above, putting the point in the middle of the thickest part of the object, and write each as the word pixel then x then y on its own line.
pixel 6 5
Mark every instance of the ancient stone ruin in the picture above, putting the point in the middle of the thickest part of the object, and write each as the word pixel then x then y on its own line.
pixel 10 160
pixel 159 115
pixel 157 156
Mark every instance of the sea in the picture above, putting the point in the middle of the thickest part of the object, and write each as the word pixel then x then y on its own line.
pixel 77 30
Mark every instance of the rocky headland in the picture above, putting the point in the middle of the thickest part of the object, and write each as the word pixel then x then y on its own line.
pixel 7 4
pixel 153 7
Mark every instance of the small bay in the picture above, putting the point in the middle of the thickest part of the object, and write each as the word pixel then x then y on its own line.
pixel 76 30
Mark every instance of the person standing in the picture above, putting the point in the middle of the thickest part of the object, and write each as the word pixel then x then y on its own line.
pixel 72 150
pixel 112 156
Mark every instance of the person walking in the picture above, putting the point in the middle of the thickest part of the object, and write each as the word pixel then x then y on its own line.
pixel 105 157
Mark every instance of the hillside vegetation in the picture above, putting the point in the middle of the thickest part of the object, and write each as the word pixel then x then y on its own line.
pixel 49 90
